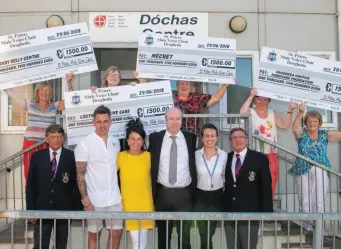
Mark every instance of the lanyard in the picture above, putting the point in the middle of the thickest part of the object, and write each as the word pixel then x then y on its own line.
pixel 215 165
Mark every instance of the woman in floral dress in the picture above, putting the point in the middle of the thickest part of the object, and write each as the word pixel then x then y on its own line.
pixel 264 123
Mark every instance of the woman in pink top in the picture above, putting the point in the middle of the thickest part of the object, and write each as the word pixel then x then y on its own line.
pixel 264 123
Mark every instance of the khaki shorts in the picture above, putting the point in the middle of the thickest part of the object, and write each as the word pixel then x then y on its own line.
pixel 95 226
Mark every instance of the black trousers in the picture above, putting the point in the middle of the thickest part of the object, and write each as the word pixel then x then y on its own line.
pixel 60 241
pixel 208 201
pixel 173 200
pixel 243 236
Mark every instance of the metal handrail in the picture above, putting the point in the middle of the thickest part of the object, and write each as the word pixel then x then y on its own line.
pixel 297 155
pixel 61 116
pixel 40 214
pixel 18 154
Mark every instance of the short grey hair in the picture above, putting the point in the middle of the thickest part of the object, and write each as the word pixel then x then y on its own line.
pixel 173 109
pixel 238 129
pixel 54 128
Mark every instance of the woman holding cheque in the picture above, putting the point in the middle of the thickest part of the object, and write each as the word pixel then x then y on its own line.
pixel 112 78
pixel 312 182
pixel 264 123
pixel 134 167
pixel 41 112
pixel 190 102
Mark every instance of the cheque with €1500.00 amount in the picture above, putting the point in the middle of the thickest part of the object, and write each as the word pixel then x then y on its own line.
pixel 149 102
pixel 45 54
pixel 190 58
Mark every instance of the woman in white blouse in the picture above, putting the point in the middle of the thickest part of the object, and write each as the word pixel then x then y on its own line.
pixel 210 163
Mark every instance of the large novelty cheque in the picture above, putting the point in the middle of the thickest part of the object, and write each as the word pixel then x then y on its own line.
pixel 191 58
pixel 149 102
pixel 298 77
pixel 45 54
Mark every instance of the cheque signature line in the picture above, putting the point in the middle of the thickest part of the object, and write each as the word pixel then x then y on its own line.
pixel 66 37
pixel 87 62
pixel 330 101
pixel 287 86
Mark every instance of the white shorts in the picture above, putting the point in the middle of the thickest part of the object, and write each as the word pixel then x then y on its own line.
pixel 95 226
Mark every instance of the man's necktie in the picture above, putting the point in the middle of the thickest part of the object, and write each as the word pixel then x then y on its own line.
pixel 173 162
pixel 238 165
pixel 54 162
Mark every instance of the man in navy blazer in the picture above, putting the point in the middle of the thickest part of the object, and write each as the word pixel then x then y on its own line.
pixel 247 189
pixel 52 185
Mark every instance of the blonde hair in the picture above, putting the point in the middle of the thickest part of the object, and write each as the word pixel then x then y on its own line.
pixel 38 87
pixel 110 69
pixel 312 114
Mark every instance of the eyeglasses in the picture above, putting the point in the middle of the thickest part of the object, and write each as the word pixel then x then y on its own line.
pixel 313 122
pixel 113 75
pixel 58 138
pixel 237 138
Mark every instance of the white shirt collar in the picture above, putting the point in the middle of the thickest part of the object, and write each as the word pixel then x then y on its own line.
pixel 99 138
pixel 242 153
pixel 179 134
pixel 202 150
pixel 58 151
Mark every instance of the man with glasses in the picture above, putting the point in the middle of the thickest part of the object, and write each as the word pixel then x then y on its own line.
pixel 52 185
pixel 97 178
pixel 247 189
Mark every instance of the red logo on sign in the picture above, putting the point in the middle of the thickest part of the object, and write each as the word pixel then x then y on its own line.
pixel 99 21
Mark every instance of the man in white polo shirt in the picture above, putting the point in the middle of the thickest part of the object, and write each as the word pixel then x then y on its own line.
pixel 97 178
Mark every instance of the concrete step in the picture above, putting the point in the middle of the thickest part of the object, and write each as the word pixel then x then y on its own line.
pixel 300 246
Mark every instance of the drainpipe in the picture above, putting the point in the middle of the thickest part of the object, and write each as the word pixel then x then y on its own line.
pixel 338 12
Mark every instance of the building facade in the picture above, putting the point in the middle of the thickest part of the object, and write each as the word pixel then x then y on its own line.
pixel 309 26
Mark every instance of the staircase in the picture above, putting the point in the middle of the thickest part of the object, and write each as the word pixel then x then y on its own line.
pixel 284 235
pixel 270 238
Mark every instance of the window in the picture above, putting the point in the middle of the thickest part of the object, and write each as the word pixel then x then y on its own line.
pixel 246 74
pixel 13 116
pixel 329 118
pixel 123 58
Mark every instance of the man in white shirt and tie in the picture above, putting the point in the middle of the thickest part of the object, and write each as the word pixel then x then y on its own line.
pixel 247 189
pixel 174 178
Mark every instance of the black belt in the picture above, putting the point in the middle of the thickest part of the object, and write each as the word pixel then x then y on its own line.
pixel 175 188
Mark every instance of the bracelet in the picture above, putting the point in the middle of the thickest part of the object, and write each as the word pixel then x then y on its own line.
pixel 289 112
